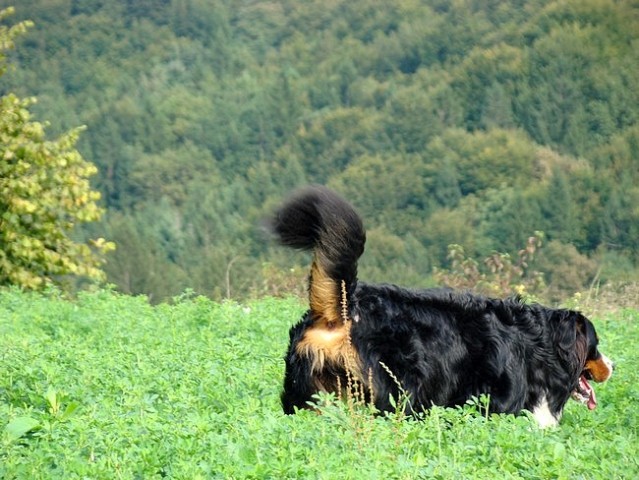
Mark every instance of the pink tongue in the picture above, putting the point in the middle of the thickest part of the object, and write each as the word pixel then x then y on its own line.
pixel 592 399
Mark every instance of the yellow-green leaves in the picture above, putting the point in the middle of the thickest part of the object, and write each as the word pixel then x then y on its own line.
pixel 44 194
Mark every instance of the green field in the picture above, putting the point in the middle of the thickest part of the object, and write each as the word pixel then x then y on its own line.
pixel 108 386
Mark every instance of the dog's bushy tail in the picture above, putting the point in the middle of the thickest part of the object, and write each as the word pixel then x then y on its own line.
pixel 317 219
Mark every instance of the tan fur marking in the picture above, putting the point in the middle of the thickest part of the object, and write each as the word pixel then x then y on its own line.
pixel 330 347
pixel 599 369
pixel 328 342
pixel 323 295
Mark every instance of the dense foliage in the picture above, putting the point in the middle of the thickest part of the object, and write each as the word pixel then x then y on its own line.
pixel 475 122
pixel 44 193
pixel 110 387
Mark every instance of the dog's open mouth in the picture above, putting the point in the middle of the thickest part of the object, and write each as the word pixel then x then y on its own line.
pixel 584 393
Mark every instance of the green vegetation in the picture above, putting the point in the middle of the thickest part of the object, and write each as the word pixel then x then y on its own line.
pixel 44 193
pixel 473 122
pixel 108 386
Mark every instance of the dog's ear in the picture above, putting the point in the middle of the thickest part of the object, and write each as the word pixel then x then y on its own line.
pixel 586 338
pixel 565 329
pixel 571 336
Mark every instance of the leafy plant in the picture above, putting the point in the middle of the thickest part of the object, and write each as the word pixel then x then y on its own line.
pixel 191 390
pixel 498 274
pixel 44 193
pixel 20 426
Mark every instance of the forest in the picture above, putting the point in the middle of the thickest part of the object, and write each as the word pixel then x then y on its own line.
pixel 471 122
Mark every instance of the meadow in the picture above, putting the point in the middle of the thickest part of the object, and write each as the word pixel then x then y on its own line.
pixel 108 386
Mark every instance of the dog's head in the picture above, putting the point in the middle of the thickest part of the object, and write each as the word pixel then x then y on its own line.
pixel 578 339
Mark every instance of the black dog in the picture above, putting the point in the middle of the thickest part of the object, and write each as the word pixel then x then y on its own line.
pixel 437 346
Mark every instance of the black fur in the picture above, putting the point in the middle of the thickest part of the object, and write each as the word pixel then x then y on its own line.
pixel 316 219
pixel 444 347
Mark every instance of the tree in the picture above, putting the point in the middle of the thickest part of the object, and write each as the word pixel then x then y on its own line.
pixel 561 215
pixel 44 193
pixel 566 270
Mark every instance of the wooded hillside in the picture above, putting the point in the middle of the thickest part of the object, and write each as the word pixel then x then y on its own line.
pixel 474 122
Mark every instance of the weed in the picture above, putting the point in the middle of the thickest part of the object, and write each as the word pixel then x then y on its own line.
pixel 496 275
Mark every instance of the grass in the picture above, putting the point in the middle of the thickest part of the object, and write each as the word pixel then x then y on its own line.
pixel 108 386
